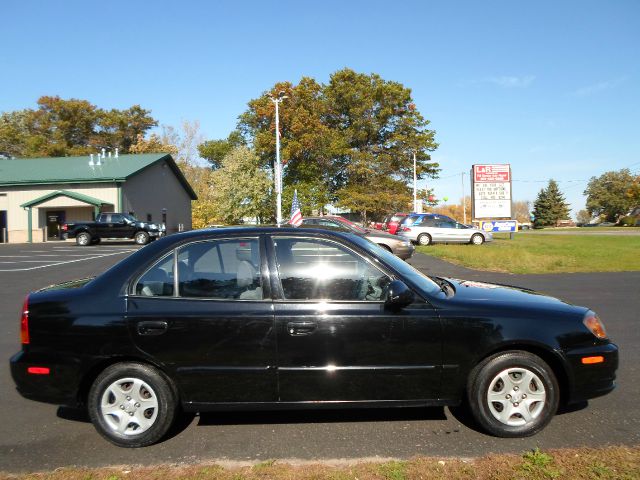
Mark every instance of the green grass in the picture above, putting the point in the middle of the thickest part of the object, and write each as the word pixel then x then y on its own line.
pixel 584 463
pixel 528 253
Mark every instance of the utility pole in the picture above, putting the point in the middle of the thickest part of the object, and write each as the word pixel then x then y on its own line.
pixel 278 167
pixel 415 184
pixel 464 202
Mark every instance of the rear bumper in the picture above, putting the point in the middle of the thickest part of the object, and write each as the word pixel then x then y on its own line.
pixel 405 251
pixel 59 387
pixel 595 380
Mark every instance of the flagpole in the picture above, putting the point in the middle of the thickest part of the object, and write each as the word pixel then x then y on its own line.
pixel 278 167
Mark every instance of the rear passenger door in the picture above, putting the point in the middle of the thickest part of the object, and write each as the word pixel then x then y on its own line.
pixel 203 312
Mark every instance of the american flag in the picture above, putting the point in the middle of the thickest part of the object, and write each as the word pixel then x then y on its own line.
pixel 296 215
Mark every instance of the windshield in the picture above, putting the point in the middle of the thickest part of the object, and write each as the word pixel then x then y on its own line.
pixel 400 266
pixel 352 225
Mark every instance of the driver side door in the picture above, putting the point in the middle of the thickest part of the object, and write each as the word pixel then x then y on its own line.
pixel 336 340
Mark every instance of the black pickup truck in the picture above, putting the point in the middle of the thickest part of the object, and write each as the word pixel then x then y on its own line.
pixel 111 225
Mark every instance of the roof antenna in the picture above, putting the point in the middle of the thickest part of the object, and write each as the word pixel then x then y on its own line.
pixel 116 153
pixel 91 161
pixel 103 150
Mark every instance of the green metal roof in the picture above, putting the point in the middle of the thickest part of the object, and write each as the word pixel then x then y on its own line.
pixel 52 170
pixel 96 202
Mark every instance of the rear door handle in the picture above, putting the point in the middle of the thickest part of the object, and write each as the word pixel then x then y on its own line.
pixel 152 327
pixel 298 329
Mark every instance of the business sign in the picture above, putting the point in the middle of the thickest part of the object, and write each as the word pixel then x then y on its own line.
pixel 491 188
pixel 499 226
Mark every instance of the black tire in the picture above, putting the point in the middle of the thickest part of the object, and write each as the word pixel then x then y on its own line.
pixel 83 239
pixel 141 238
pixel 109 396
pixel 485 379
pixel 424 239
pixel 477 239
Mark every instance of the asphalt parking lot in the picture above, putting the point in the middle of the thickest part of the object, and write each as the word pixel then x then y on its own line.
pixel 36 436
pixel 22 258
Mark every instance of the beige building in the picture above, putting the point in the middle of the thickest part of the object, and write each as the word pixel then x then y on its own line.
pixel 38 195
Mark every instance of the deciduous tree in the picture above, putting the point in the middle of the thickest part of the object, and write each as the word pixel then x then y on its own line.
pixel 63 127
pixel 613 194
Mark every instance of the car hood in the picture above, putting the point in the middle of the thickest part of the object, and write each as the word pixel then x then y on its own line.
pixel 147 225
pixel 497 295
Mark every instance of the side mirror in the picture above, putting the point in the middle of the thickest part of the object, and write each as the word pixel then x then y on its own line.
pixel 398 295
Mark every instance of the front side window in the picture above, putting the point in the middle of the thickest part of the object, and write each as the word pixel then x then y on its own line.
pixel 445 224
pixel 116 218
pixel 317 269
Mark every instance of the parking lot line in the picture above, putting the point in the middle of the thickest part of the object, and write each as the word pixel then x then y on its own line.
pixel 60 263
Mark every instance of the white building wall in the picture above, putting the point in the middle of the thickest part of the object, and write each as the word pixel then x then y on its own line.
pixel 17 217
pixel 156 188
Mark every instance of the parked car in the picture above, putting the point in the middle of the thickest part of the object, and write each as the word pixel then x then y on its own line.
pixel 274 318
pixel 392 222
pixel 399 246
pixel 111 225
pixel 431 228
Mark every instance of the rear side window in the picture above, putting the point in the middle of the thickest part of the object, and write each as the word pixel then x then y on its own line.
pixel 221 269
pixel 317 269
pixel 218 269
pixel 397 218
pixel 158 280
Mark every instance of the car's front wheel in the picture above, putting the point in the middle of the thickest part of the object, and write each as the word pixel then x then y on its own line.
pixel 132 404
pixel 141 238
pixel 513 394
pixel 477 239
pixel 424 239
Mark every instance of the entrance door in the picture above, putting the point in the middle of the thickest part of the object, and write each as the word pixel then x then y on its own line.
pixel 336 339
pixel 55 219
pixel 3 225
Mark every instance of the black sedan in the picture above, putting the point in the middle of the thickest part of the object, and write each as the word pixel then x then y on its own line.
pixel 285 318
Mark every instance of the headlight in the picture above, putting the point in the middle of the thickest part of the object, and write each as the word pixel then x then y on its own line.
pixel 595 325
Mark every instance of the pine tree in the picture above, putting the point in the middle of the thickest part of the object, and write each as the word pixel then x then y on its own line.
pixel 550 206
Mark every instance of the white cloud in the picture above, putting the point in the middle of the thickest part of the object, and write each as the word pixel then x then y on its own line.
pixel 598 87
pixel 511 81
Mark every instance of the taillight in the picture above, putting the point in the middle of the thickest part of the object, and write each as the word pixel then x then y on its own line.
pixel 405 229
pixel 65 227
pixel 24 322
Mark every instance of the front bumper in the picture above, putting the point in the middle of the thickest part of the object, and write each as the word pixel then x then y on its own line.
pixel 592 380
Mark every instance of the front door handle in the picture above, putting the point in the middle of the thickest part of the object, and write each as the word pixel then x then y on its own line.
pixel 298 329
pixel 152 327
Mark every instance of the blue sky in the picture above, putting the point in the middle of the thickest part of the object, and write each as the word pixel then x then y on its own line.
pixel 550 87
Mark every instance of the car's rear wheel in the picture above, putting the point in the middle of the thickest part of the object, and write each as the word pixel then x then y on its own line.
pixel 424 239
pixel 132 404
pixel 513 394
pixel 83 239
pixel 141 238
pixel 477 239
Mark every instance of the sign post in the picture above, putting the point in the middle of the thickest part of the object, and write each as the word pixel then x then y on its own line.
pixel 491 192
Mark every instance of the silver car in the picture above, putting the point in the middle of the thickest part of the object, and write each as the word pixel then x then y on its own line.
pixel 399 246
pixel 426 230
